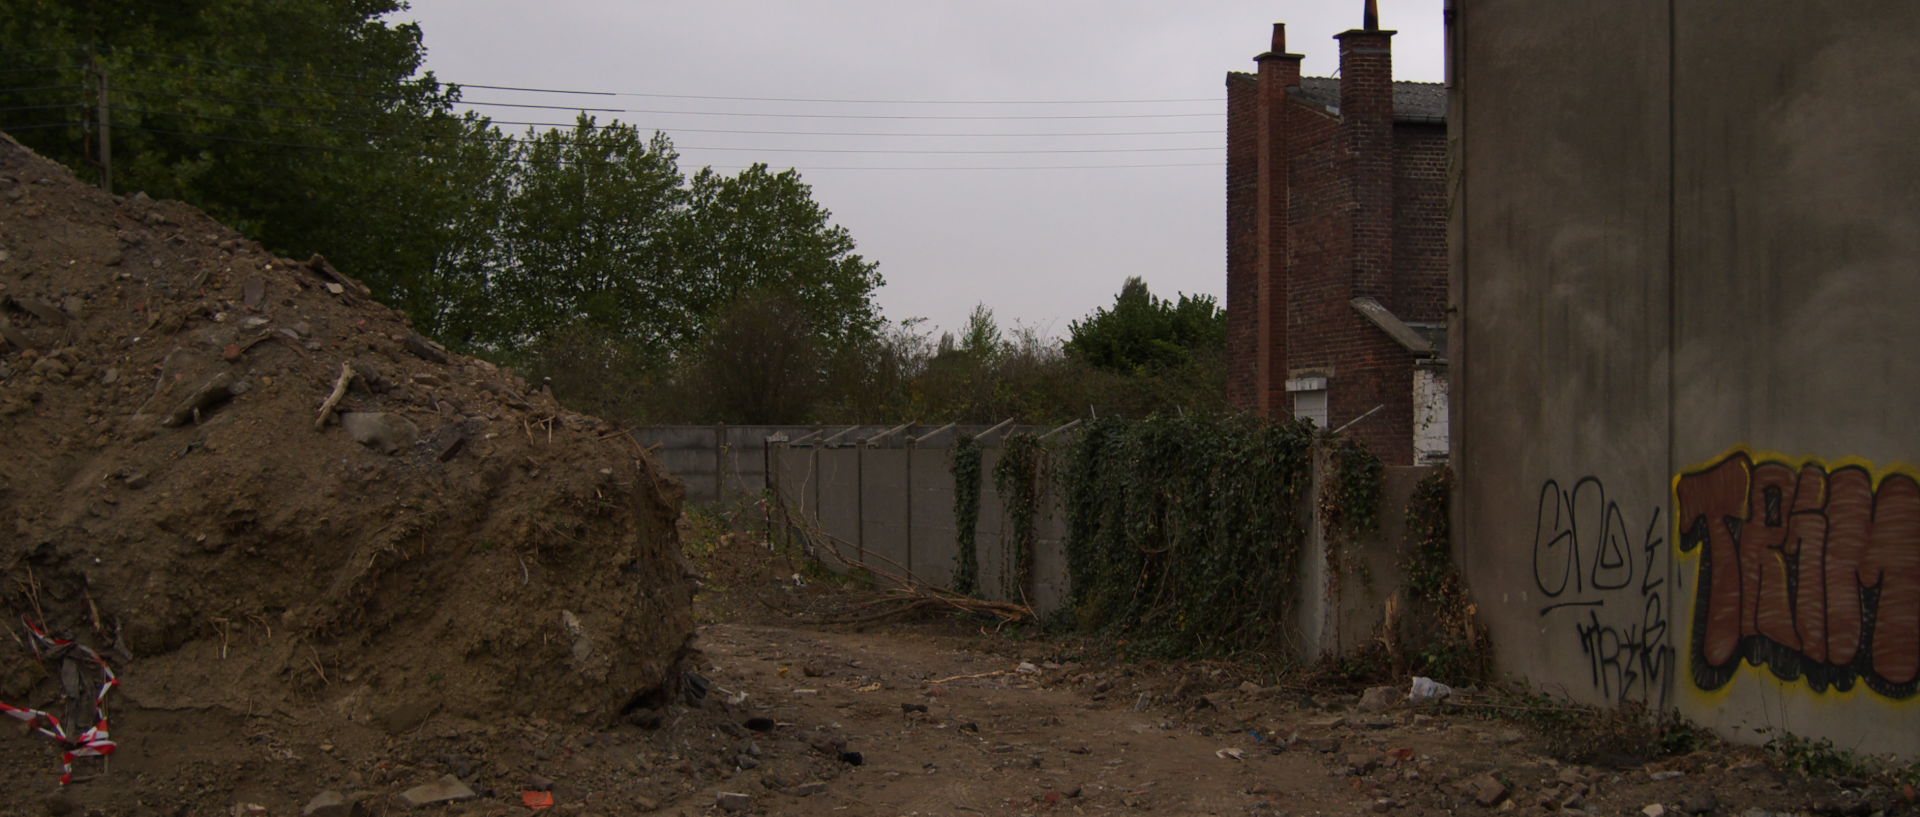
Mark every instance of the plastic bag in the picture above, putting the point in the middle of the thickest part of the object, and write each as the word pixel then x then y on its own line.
pixel 1427 689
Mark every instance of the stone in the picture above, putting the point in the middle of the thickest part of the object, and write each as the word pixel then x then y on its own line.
pixel 1665 775
pixel 733 801
pixel 448 789
pixel 1487 790
pixel 378 429
pixel 1363 762
pixel 1654 810
pixel 810 789
pixel 1377 699
pixel 330 804
pixel 1700 801
pixel 1323 745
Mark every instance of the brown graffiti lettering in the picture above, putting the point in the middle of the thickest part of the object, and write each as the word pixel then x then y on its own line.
pixel 1810 573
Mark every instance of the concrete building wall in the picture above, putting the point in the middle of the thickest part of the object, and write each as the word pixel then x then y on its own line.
pixel 1685 247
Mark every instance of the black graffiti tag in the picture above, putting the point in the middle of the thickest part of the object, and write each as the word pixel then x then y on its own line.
pixel 1585 556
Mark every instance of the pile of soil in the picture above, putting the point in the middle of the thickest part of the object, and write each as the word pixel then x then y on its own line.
pixel 445 551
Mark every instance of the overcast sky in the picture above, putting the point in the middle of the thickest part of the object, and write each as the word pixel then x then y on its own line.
pixel 1041 245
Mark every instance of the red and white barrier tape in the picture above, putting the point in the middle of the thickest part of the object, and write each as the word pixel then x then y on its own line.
pixel 93 742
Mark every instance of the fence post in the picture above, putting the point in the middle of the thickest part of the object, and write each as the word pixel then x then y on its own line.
pixel 909 506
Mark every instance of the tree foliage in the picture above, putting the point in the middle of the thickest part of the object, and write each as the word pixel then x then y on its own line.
pixel 1143 332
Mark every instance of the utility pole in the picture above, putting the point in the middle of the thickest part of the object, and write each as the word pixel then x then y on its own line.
pixel 102 124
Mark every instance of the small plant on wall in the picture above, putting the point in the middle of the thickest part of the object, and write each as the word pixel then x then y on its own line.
pixel 1349 503
pixel 1436 633
pixel 1018 477
pixel 966 514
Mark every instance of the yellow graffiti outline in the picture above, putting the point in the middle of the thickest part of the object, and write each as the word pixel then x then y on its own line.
pixel 1747 669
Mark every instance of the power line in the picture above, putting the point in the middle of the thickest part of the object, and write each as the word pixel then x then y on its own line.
pixel 40 88
pixel 263 85
pixel 654 95
pixel 37 126
pixel 868 150
pixel 848 101
pixel 514 140
pixel 60 106
pixel 678 148
pixel 372 151
pixel 873 133
pixel 854 116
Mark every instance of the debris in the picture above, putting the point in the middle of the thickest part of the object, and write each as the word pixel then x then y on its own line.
pixel 319 266
pixel 425 349
pixel 1427 689
pixel 221 388
pixel 40 309
pixel 810 788
pixel 330 804
pixel 1230 754
pixel 378 429
pixel 1487 790
pixel 1665 775
pixel 733 801
pixel 340 385
pixel 1654 810
pixel 448 789
pixel 1026 668
pixel 536 799
pixel 852 758
pixel 760 724
pixel 1700 801
pixel 1376 699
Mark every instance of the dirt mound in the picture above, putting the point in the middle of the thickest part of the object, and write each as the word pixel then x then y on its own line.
pixel 454 546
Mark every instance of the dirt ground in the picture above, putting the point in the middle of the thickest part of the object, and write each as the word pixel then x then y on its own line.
pixel 950 718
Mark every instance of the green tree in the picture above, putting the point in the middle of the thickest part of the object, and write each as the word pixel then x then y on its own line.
pixel 586 242
pixel 763 231
pixel 1143 332
pixel 302 124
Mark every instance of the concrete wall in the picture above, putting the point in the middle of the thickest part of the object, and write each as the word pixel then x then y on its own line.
pixel 1685 240
pixel 1342 604
pixel 892 509
pixel 715 462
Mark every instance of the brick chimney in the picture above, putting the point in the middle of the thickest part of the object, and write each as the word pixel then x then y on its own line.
pixel 1279 71
pixel 1366 113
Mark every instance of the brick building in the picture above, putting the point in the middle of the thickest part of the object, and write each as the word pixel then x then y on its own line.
pixel 1336 246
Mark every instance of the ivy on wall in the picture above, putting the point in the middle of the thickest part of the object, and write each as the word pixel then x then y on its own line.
pixel 1438 635
pixel 1017 477
pixel 966 514
pixel 1349 502
pixel 1184 532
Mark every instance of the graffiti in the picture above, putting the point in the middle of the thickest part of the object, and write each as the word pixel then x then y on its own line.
pixel 1813 574
pixel 1585 558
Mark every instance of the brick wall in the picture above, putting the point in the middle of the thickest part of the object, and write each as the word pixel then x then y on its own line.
pixel 1323 208
pixel 1243 110
pixel 1420 222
